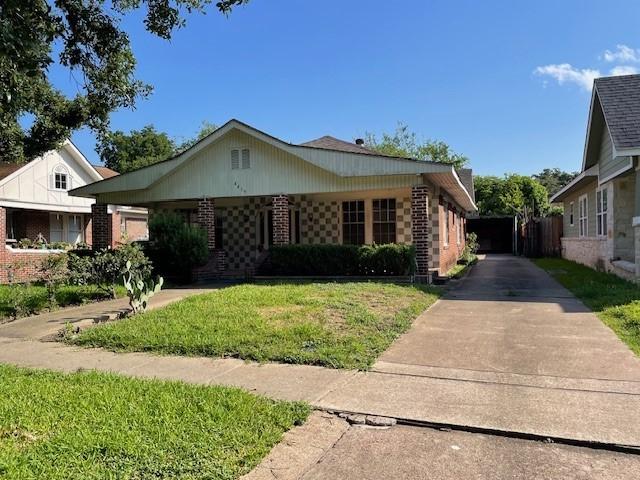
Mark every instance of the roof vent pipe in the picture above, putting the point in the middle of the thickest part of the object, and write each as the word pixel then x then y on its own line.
pixel 359 141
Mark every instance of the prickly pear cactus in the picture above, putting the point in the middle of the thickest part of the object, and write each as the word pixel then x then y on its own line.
pixel 140 291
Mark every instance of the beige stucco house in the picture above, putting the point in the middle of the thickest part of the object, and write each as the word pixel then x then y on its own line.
pixel 602 204
pixel 35 207
pixel 251 190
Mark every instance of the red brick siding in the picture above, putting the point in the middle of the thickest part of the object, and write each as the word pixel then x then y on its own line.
pixel 135 228
pixel 88 230
pixel 449 254
pixel 15 266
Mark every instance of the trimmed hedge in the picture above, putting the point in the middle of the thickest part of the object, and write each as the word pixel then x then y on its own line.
pixel 339 260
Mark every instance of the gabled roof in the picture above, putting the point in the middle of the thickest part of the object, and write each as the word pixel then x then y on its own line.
pixel 466 177
pixel 586 177
pixel 620 100
pixel 8 168
pixel 336 160
pixel 331 143
pixel 105 172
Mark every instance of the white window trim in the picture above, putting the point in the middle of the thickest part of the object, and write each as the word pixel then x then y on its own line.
pixel 585 232
pixel 60 169
pixel 601 215
pixel 571 215
pixel 445 236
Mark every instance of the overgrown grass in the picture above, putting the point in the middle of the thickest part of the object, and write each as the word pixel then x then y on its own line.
pixel 614 300
pixel 101 426
pixel 34 297
pixel 339 325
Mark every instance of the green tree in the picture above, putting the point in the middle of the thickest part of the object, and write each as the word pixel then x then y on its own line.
pixel 511 195
pixel 86 38
pixel 126 152
pixel 405 143
pixel 553 179
pixel 206 128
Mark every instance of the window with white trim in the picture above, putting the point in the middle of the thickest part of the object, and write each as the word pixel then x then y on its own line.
pixel 446 225
pixel 60 178
pixel 583 210
pixel 353 222
pixel 384 221
pixel 571 214
pixel 601 212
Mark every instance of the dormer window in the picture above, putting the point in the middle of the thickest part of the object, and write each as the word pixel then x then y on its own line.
pixel 60 179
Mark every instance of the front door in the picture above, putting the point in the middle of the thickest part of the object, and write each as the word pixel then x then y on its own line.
pixel 265 226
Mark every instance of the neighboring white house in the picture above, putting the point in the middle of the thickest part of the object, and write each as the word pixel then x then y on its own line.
pixel 602 204
pixel 36 208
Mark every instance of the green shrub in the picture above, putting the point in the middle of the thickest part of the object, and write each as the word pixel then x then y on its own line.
pixel 106 268
pixel 332 260
pixel 470 249
pixel 53 272
pixel 176 247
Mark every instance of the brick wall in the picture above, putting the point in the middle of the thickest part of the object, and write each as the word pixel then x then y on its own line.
pixel 207 220
pixel 420 227
pixel 450 253
pixel 281 234
pixel 101 227
pixel 16 266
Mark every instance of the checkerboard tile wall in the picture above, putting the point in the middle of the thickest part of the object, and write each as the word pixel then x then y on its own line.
pixel 434 258
pixel 403 220
pixel 319 221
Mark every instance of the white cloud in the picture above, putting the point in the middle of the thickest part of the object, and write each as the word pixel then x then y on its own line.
pixel 622 53
pixel 623 70
pixel 565 73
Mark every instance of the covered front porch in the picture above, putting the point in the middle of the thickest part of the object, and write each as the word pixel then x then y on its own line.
pixel 241 230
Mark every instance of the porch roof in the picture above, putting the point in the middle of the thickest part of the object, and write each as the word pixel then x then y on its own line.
pixel 577 183
pixel 357 168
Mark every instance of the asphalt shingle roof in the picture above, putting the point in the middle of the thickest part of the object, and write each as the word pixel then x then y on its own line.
pixel 105 172
pixel 7 169
pixel 620 100
pixel 466 177
pixel 331 143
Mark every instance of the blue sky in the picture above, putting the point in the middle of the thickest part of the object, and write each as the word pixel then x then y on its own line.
pixel 503 82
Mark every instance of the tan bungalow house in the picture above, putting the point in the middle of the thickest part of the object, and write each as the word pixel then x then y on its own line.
pixel 602 204
pixel 37 214
pixel 250 191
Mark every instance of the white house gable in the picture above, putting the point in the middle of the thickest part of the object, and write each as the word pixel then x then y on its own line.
pixel 44 183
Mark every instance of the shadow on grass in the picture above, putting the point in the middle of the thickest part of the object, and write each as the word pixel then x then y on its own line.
pixel 614 300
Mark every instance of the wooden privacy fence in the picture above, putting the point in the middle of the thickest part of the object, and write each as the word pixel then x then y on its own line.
pixel 540 237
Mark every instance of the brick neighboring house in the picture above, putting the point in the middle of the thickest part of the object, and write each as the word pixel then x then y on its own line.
pixel 250 191
pixel 35 203
pixel 602 204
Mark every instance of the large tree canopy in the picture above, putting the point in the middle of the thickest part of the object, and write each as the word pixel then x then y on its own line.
pixel 405 143
pixel 124 152
pixel 85 37
pixel 511 195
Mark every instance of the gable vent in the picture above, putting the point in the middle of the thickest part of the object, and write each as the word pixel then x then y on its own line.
pixel 235 159
pixel 246 159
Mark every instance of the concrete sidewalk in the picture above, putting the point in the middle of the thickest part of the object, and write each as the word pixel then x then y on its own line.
pixel 592 416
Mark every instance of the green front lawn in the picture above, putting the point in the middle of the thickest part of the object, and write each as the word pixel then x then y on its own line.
pixel 101 426
pixel 614 300
pixel 339 325
pixel 33 298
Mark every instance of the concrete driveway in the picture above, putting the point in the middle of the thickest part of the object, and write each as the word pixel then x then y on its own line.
pixel 509 321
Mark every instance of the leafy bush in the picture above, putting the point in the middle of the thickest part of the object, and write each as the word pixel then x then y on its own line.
pixel 53 272
pixel 470 249
pixel 176 247
pixel 106 268
pixel 322 260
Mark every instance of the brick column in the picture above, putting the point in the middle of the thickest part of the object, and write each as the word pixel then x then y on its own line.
pixel 100 226
pixel 207 220
pixel 420 228
pixel 281 235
